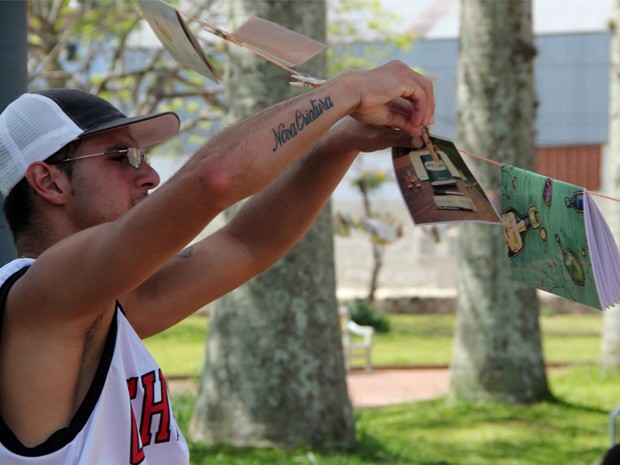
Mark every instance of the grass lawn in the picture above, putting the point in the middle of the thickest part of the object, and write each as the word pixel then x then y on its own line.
pixel 181 349
pixel 570 429
pixel 413 340
pixel 427 339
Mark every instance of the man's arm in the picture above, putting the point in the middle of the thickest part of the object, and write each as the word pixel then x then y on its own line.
pixel 58 314
pixel 263 230
pixel 112 259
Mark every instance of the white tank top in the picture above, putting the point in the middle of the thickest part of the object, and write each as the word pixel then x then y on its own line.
pixel 126 417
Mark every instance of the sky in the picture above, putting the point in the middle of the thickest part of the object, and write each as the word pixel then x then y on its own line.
pixel 439 19
pixel 436 19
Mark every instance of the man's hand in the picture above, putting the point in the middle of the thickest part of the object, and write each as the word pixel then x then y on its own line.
pixel 394 96
pixel 367 138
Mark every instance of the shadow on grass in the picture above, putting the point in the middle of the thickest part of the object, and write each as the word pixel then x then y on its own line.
pixel 558 401
pixel 369 450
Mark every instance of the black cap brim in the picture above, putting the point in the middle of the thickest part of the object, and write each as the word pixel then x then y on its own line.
pixel 145 130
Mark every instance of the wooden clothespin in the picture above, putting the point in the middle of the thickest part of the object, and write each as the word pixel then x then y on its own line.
pixel 304 80
pixel 426 138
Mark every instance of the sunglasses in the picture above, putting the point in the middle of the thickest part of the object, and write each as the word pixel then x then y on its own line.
pixel 134 156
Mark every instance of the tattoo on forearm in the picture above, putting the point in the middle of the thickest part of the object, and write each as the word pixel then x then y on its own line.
pixel 283 133
pixel 186 253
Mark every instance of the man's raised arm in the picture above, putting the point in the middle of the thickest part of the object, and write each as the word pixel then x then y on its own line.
pixel 112 259
pixel 273 220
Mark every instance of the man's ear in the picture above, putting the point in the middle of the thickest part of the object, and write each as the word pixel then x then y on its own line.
pixel 48 182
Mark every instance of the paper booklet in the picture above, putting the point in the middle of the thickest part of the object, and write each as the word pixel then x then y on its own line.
pixel 274 43
pixel 438 187
pixel 173 33
pixel 558 240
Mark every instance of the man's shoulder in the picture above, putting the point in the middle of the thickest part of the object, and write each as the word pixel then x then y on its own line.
pixel 9 274
pixel 12 267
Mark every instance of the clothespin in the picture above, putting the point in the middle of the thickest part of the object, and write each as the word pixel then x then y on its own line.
pixel 426 138
pixel 306 81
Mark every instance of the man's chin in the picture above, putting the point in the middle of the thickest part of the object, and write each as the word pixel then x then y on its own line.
pixel 137 200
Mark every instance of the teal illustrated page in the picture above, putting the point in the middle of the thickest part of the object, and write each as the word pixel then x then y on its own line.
pixel 545 235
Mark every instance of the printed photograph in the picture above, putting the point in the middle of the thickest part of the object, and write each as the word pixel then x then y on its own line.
pixel 438 187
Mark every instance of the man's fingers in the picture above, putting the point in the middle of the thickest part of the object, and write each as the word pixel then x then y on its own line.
pixel 422 100
pixel 427 86
pixel 394 95
pixel 418 91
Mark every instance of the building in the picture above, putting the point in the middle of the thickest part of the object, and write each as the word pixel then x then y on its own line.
pixel 572 83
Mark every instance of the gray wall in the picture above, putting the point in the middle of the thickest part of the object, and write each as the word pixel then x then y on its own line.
pixel 572 82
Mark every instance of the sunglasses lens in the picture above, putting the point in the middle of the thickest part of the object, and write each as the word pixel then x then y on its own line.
pixel 134 156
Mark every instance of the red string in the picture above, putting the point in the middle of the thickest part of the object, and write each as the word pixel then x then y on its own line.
pixel 493 162
pixel 496 163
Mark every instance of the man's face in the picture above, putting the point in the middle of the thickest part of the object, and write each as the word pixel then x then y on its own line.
pixel 106 187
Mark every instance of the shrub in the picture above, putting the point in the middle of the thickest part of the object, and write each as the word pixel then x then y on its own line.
pixel 366 314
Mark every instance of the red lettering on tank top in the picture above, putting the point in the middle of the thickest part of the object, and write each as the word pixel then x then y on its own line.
pixel 150 408
pixel 136 452
pixel 151 383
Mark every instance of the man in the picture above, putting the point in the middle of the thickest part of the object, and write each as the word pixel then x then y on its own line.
pixel 101 262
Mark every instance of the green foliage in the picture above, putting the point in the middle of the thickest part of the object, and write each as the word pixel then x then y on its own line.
pixel 370 180
pixel 111 61
pixel 360 33
pixel 366 314
pixel 106 59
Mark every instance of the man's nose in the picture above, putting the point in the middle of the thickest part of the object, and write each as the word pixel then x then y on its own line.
pixel 147 176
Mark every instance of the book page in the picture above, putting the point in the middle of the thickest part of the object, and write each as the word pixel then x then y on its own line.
pixel 437 171
pixel 440 190
pixel 453 169
pixel 545 232
pixel 280 43
pixel 604 253
pixel 176 37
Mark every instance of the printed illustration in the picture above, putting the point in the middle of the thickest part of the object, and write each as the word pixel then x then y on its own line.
pixel 545 233
pixel 438 187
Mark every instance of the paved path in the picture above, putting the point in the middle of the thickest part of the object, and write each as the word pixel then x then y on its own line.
pixel 379 388
pixel 385 387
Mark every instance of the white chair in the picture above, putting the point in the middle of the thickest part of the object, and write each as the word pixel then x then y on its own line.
pixel 356 340
pixel 613 425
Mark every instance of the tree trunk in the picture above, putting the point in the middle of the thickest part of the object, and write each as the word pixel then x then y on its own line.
pixel 274 372
pixel 378 251
pixel 611 323
pixel 497 352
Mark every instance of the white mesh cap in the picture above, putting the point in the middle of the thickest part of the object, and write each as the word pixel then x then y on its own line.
pixel 37 125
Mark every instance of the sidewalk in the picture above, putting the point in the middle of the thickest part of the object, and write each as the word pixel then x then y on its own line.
pixel 393 386
pixel 379 388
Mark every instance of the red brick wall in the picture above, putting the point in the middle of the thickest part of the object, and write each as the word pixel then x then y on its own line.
pixel 580 164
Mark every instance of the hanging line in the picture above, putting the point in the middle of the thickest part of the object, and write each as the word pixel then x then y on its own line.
pixel 496 163
pixel 493 162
